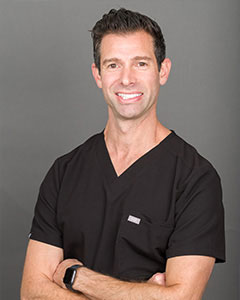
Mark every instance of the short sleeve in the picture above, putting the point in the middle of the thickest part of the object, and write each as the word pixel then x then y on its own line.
pixel 199 217
pixel 44 225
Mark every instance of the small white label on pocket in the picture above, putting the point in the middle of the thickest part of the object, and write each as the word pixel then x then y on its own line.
pixel 134 220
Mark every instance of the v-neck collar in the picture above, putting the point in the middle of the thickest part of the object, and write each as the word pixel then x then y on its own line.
pixel 135 169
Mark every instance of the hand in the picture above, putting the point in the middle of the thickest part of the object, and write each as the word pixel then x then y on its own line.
pixel 61 269
pixel 158 278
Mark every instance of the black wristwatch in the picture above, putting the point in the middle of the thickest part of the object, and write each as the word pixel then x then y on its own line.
pixel 70 276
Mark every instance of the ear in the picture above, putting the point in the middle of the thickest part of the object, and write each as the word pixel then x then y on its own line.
pixel 96 75
pixel 165 71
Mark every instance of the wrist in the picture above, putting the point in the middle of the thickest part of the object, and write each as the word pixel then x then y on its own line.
pixel 71 276
pixel 81 279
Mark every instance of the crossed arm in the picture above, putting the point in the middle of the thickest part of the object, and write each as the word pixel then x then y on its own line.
pixel 186 278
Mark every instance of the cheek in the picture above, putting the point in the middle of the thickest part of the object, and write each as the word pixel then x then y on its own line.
pixel 109 82
pixel 153 82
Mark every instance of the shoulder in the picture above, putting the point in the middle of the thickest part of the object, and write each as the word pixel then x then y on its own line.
pixel 191 169
pixel 82 149
pixel 73 157
pixel 187 157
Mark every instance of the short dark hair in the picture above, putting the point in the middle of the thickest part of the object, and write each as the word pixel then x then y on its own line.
pixel 126 21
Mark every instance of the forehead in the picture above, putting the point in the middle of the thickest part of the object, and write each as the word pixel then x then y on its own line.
pixel 122 44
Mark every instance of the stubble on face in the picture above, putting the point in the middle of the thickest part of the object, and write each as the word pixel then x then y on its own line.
pixel 129 75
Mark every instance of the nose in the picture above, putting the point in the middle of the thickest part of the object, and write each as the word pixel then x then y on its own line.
pixel 127 76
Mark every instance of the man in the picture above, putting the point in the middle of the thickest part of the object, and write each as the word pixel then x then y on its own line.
pixel 132 202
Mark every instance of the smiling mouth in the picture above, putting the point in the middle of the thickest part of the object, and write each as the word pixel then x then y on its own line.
pixel 129 96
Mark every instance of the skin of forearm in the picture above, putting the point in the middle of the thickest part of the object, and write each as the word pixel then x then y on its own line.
pixel 101 287
pixel 45 289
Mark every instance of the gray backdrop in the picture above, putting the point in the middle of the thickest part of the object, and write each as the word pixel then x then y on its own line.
pixel 50 104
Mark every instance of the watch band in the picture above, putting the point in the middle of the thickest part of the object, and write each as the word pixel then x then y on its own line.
pixel 70 276
pixel 75 267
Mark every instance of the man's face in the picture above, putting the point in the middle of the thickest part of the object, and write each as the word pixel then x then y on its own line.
pixel 129 77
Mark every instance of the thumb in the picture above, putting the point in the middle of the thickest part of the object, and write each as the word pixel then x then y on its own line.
pixel 158 278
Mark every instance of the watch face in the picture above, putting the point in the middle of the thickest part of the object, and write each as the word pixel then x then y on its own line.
pixel 69 276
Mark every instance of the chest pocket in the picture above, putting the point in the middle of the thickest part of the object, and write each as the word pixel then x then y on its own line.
pixel 140 247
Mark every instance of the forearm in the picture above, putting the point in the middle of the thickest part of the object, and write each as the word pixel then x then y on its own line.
pixel 101 287
pixel 45 289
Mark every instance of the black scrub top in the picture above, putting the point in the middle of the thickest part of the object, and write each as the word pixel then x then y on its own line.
pixel 168 203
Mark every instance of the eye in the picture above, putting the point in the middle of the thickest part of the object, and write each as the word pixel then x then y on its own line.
pixel 142 64
pixel 112 66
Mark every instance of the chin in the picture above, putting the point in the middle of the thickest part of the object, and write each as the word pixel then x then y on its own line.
pixel 133 116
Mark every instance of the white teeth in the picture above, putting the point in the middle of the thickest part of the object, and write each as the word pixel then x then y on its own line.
pixel 128 96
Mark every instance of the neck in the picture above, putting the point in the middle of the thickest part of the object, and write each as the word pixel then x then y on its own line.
pixel 128 137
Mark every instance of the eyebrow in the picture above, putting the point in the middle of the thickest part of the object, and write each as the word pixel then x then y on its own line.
pixel 142 58
pixel 136 58
pixel 113 59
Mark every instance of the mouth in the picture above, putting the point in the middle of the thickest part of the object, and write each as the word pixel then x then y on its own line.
pixel 129 97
